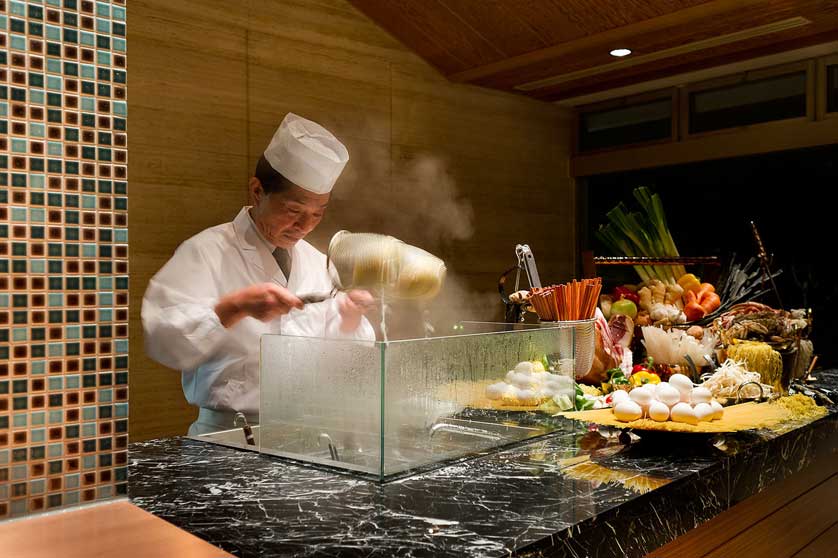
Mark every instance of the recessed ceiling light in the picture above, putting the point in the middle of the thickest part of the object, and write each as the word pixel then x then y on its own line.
pixel 620 52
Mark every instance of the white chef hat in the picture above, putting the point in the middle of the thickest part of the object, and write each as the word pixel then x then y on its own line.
pixel 307 154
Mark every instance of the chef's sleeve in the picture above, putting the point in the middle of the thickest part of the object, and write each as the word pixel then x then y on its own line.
pixel 182 330
pixel 364 331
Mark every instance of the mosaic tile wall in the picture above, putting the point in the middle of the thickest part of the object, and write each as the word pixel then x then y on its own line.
pixel 63 254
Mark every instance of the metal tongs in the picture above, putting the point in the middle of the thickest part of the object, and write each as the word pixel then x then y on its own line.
pixel 312 298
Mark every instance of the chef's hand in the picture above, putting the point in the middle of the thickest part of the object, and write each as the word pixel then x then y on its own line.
pixel 263 301
pixel 352 308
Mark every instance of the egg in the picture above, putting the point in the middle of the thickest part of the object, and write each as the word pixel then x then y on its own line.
pixel 704 412
pixel 641 396
pixel 495 391
pixel 510 395
pixel 619 396
pixel 658 411
pixel 662 385
pixel 718 410
pixel 627 411
pixel 541 377
pixel 683 412
pixel 558 383
pixel 522 381
pixel 681 383
pixel 668 395
pixel 650 387
pixel 700 395
pixel 527 397
pixel 525 367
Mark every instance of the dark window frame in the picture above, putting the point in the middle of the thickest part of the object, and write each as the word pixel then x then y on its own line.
pixel 824 65
pixel 626 102
pixel 806 66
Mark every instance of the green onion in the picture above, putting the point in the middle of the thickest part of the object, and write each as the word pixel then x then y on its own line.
pixel 642 234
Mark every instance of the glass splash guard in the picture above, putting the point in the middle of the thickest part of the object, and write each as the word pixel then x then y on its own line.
pixel 385 409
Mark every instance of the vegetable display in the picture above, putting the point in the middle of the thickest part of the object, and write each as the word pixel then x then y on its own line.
pixel 685 325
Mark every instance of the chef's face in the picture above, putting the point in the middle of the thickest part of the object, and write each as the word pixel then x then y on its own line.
pixel 286 217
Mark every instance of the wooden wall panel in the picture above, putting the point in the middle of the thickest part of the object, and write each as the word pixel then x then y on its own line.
pixel 505 156
pixel 187 162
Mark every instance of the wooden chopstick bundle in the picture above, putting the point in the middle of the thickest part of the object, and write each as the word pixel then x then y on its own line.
pixel 576 300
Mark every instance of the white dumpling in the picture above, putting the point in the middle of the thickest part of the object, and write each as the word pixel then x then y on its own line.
pixel 718 410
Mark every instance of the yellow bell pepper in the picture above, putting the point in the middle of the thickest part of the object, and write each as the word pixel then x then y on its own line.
pixel 689 282
pixel 640 378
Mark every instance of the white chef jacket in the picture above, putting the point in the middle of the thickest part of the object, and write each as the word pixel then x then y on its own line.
pixel 220 366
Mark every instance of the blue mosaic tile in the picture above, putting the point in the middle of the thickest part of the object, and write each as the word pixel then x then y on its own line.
pixel 63 185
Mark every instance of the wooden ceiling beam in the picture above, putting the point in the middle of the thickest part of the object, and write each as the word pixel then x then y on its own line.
pixel 658 55
pixel 652 72
pixel 607 39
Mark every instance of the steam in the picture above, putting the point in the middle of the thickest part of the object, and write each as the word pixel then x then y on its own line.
pixel 415 200
pixel 421 206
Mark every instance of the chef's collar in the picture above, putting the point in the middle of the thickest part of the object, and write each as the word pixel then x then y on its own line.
pixel 268 246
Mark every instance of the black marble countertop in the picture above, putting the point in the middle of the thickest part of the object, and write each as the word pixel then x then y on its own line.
pixel 572 493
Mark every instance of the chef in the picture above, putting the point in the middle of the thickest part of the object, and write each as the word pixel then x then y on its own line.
pixel 206 309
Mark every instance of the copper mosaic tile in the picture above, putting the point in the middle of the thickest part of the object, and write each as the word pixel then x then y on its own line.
pixel 63 254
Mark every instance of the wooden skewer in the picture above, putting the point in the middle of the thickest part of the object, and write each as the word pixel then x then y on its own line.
pixel 809 377
pixel 575 300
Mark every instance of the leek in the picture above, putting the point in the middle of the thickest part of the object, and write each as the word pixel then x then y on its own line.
pixel 643 234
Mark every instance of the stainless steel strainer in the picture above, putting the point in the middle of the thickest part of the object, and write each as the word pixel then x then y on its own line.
pixel 384 265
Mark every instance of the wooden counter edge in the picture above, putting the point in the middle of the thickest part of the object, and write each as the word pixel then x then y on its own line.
pixel 109 529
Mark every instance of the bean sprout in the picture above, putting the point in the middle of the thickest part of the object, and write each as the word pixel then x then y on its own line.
pixel 727 378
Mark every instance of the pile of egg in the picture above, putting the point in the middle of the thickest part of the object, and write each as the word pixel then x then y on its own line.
pixel 529 384
pixel 676 400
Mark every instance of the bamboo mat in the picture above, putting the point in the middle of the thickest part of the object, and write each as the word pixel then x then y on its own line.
pixel 746 416
pixel 473 395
